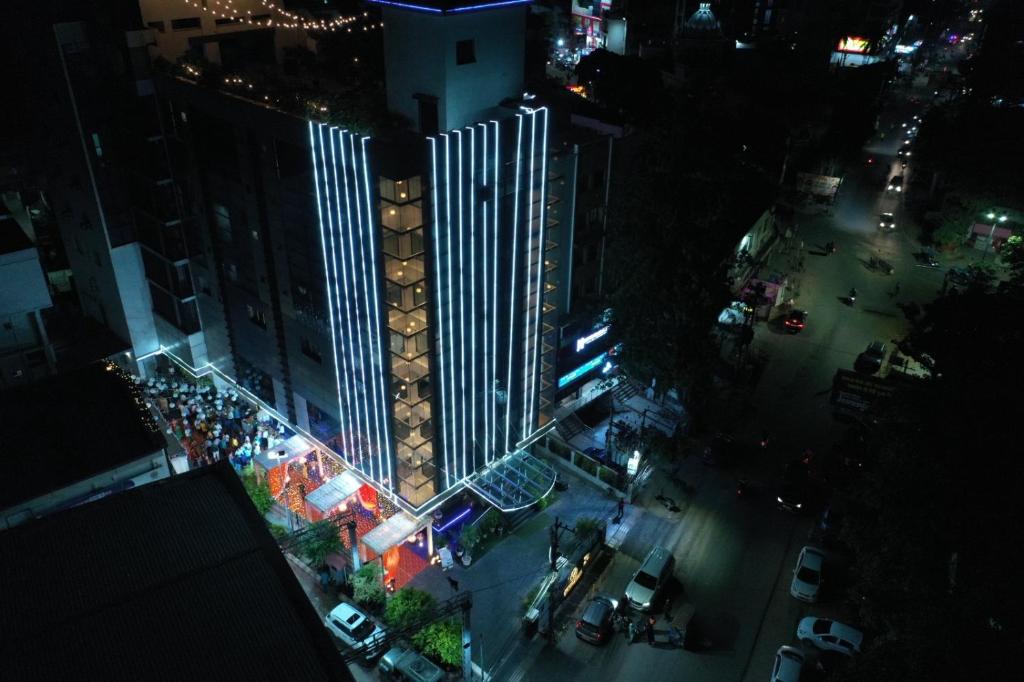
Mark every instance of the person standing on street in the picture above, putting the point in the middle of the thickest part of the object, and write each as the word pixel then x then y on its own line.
pixel 650 630
pixel 619 511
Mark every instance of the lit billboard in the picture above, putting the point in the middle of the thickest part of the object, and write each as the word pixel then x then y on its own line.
pixel 854 45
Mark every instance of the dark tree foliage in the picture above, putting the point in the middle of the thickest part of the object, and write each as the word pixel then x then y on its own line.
pixel 934 527
pixel 683 200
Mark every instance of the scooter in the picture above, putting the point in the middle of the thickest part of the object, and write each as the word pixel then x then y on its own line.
pixel 852 298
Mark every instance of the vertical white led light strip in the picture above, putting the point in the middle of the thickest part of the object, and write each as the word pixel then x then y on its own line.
pixel 346 272
pixel 383 384
pixel 473 392
pixel 464 432
pixel 364 256
pixel 527 383
pixel 496 201
pixel 538 335
pixel 348 427
pixel 485 373
pixel 454 415
pixel 435 229
pixel 512 292
pixel 327 270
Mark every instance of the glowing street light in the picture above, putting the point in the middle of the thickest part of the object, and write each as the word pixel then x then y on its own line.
pixel 991 215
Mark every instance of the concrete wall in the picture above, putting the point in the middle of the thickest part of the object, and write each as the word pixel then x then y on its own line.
pixel 419 51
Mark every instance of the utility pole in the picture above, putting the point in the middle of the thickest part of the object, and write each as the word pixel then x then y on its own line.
pixel 467 643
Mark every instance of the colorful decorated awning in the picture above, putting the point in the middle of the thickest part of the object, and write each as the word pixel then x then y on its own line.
pixel 390 533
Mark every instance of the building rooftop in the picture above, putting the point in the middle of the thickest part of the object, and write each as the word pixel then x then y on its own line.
pixel 69 427
pixel 449 6
pixel 177 580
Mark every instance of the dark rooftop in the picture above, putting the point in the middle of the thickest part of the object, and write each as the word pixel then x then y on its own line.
pixel 12 238
pixel 67 428
pixel 176 580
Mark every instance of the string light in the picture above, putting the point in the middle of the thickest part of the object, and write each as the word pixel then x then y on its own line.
pixel 285 19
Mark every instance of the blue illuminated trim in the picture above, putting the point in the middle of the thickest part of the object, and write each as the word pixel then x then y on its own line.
pixel 488 424
pixel 450 10
pixel 346 424
pixel 327 271
pixel 384 380
pixel 488 5
pixel 512 304
pixel 588 366
pixel 473 390
pixel 407 5
pixel 435 229
pixel 462 314
pixel 528 376
pixel 455 519
pixel 361 302
pixel 454 414
pixel 353 394
pixel 496 195
pixel 537 327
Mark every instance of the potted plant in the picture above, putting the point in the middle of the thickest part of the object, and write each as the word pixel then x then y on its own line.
pixel 469 539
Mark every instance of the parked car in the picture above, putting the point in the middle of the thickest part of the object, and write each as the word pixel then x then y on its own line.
pixel 793 494
pixel 650 579
pixel 595 625
pixel 354 628
pixel 789 664
pixel 895 184
pixel 402 665
pixel 796 321
pixel 887 221
pixel 806 585
pixel 870 361
pixel 829 635
pixel 927 258
pixel 721 451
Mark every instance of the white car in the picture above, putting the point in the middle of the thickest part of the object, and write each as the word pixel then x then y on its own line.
pixel 828 635
pixel 355 629
pixel 789 663
pixel 807 575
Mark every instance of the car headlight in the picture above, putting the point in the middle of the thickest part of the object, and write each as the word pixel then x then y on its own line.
pixel 881 224
pixel 899 189
pixel 799 505
pixel 646 604
pixel 779 499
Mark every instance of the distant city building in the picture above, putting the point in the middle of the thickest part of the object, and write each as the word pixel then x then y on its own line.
pixel 25 349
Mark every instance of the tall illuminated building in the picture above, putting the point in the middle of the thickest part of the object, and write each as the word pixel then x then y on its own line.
pixel 391 292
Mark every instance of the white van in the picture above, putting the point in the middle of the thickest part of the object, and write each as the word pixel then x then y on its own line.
pixel 650 579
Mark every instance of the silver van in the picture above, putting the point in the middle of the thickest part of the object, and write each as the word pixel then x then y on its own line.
pixel 650 579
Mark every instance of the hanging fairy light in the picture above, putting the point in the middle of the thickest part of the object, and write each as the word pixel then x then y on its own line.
pixel 225 9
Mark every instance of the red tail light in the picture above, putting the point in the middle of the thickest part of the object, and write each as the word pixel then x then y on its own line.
pixel 578 624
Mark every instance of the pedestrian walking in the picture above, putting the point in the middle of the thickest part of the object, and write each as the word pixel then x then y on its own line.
pixel 619 511
pixel 453 583
pixel 650 629
pixel 631 632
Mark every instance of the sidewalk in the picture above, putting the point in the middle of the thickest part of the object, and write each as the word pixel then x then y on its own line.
pixel 503 577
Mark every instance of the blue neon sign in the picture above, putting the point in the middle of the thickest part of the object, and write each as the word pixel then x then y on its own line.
pixel 581 370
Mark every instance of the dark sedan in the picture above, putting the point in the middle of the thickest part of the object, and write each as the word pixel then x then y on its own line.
pixel 796 321
pixel 596 623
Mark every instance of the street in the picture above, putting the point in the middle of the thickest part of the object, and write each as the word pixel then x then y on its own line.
pixel 735 556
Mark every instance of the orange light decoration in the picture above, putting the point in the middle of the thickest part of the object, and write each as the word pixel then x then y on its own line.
pixel 367 497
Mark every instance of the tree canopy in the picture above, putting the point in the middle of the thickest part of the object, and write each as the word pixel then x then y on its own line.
pixel 934 521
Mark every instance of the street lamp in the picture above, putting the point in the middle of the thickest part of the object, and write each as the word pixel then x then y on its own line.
pixel 992 233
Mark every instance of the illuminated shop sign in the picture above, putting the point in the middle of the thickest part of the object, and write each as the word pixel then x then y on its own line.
pixel 585 341
pixel 581 370
pixel 854 44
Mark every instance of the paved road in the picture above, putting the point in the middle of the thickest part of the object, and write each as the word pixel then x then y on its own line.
pixel 735 556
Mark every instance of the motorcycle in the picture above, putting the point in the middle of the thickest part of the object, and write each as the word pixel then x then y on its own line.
pixel 852 298
pixel 742 488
